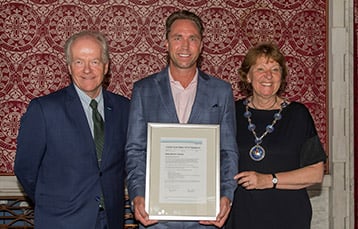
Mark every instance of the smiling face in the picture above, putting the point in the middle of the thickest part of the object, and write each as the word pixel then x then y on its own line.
pixel 184 44
pixel 265 77
pixel 87 67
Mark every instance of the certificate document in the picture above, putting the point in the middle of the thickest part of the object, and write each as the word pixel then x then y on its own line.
pixel 183 171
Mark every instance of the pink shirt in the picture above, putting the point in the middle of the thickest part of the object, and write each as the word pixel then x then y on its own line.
pixel 183 97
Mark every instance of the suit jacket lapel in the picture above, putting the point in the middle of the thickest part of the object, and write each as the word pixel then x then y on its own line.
pixel 78 117
pixel 76 112
pixel 201 98
pixel 109 118
pixel 165 94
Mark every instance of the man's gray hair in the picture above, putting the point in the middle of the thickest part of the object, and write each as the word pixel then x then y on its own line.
pixel 94 34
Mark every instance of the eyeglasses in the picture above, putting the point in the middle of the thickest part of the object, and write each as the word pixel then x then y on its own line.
pixel 275 70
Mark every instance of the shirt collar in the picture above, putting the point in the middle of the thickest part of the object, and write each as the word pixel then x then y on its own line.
pixel 86 99
pixel 194 81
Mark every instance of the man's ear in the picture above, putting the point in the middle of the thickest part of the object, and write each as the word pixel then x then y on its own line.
pixel 166 44
pixel 69 69
pixel 106 68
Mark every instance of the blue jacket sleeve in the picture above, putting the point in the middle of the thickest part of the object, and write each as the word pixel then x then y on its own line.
pixel 31 146
pixel 136 147
pixel 229 155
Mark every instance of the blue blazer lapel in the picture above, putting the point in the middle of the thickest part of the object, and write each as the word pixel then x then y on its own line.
pixel 78 117
pixel 109 118
pixel 201 98
pixel 76 112
pixel 165 94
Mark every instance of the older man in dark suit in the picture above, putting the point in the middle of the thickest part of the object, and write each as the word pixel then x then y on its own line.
pixel 70 152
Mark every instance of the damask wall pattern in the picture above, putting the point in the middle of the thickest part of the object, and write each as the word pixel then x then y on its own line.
pixel 33 33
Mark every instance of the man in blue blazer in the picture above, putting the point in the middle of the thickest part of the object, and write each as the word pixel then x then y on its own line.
pixel 56 160
pixel 181 93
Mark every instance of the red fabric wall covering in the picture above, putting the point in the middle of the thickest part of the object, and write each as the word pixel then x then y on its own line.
pixel 33 32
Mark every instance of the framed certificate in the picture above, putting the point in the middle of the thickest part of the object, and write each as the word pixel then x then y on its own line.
pixel 183 171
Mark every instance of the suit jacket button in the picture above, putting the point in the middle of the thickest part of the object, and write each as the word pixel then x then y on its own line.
pixel 100 174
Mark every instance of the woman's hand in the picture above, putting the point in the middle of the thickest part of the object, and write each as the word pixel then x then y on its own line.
pixel 254 180
pixel 292 180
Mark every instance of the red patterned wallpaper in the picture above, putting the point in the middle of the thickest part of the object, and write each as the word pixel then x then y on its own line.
pixel 33 33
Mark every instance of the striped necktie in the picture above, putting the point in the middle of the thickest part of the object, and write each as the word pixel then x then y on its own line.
pixel 98 127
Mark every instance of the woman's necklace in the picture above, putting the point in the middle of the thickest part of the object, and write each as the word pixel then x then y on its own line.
pixel 269 108
pixel 257 152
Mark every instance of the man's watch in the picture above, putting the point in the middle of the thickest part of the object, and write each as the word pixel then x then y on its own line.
pixel 274 180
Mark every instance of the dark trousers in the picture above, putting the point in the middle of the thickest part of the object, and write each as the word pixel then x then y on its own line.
pixel 101 219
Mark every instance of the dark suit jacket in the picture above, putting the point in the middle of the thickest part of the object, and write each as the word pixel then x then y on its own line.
pixel 152 101
pixel 57 166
